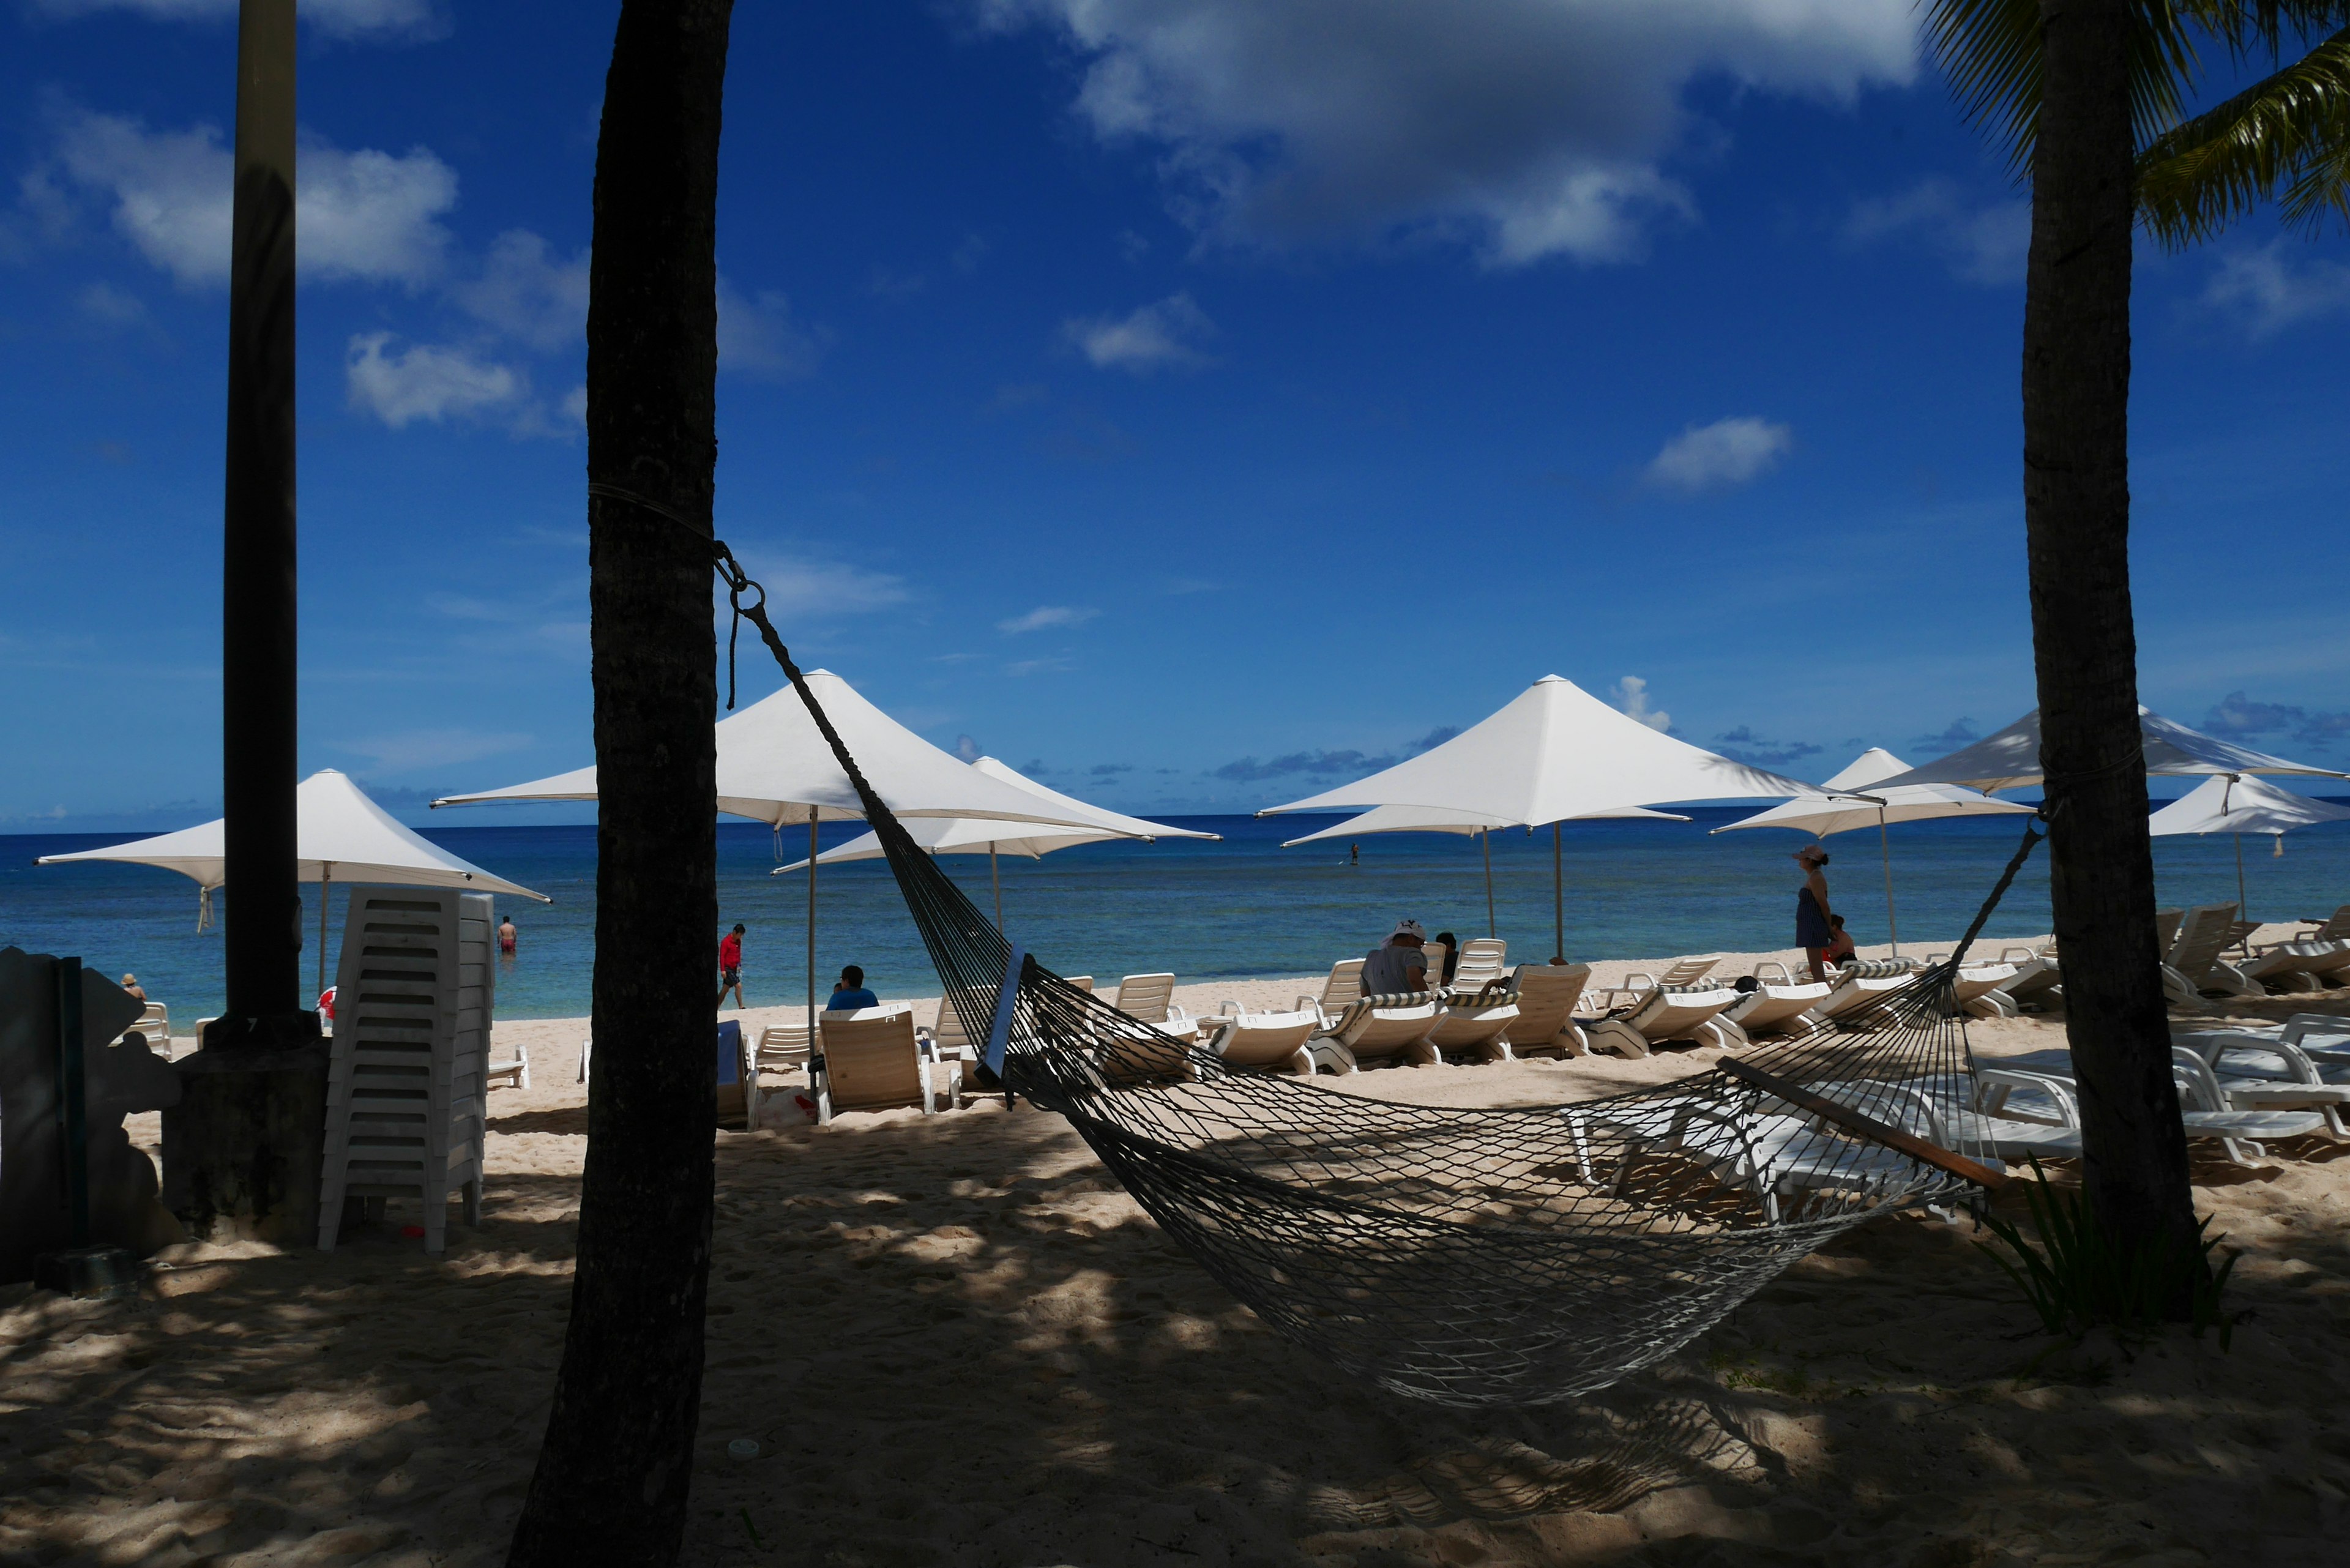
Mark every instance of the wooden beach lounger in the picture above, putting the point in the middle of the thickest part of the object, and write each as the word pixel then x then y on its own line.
pixel 1378 1030
pixel 1545 1022
pixel 871 1062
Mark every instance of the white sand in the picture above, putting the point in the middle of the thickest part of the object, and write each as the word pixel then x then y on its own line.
pixel 958 1343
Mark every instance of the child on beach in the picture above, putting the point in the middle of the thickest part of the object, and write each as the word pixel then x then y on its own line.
pixel 1840 949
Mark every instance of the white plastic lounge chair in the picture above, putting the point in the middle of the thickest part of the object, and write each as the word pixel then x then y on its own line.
pixel 1976 990
pixel 1084 983
pixel 782 1049
pixel 1340 990
pixel 1683 971
pixel 1858 986
pixel 2296 966
pixel 2052 1093
pixel 1780 1005
pixel 1669 1013
pixel 871 1061
pixel 1258 1042
pixel 1545 1022
pixel 2166 929
pixel 1778 1156
pixel 1434 954
pixel 1937 1110
pixel 2256 1074
pixel 2334 928
pixel 513 1075
pixel 2038 979
pixel 155 1026
pixel 1379 1030
pixel 1484 960
pixel 2194 967
pixel 1149 999
pixel 1474 1023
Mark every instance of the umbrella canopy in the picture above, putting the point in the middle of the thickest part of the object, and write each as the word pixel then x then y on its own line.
pixel 339 834
pixel 1883 804
pixel 775 766
pixel 2241 806
pixel 2011 759
pixel 2237 805
pixel 983 835
pixel 1902 803
pixel 1553 753
pixel 1432 819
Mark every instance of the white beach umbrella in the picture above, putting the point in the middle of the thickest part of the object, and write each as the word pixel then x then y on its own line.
pixel 980 835
pixel 2011 759
pixel 775 766
pixel 338 832
pixel 2236 806
pixel 1431 819
pixel 1870 804
pixel 1553 753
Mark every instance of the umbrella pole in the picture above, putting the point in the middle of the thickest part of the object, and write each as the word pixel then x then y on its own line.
pixel 1884 847
pixel 326 882
pixel 2241 913
pixel 995 882
pixel 811 931
pixel 1557 900
pixel 1486 837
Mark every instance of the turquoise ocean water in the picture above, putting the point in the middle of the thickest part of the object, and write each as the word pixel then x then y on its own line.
pixel 1243 907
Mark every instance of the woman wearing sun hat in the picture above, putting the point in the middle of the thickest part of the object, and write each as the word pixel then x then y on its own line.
pixel 1813 931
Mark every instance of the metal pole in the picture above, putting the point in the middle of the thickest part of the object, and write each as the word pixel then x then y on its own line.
pixel 811 931
pixel 2241 912
pixel 996 883
pixel 1885 846
pixel 258 605
pixel 1558 898
pixel 326 882
pixel 72 1107
pixel 1486 837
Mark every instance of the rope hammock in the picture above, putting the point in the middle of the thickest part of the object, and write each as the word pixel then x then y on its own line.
pixel 1466 1257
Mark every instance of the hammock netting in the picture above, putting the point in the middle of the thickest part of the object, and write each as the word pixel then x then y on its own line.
pixel 1466 1257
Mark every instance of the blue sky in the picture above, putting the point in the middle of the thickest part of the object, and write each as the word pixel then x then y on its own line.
pixel 1198 397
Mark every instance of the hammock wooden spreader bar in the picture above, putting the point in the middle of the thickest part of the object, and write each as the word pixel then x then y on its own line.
pixel 1867 1126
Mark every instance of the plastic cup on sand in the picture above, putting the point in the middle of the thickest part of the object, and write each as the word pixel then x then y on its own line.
pixel 742 1449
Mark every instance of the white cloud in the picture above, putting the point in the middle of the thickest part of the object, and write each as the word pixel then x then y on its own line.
pixel 1149 337
pixel 757 335
pixel 1046 616
pixel 412 748
pixel 1716 456
pixel 1632 696
pixel 820 587
pixel 2268 294
pixel 525 294
pixel 1529 127
pixel 428 382
pixel 1985 244
pixel 574 404
pixel 370 19
pixel 366 216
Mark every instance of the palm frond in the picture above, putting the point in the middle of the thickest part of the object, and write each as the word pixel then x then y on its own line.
pixel 1990 50
pixel 2286 138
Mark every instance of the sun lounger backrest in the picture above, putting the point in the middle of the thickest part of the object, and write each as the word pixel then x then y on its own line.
pixel 781 1048
pixel 949 1031
pixel 1145 996
pixel 2202 935
pixel 1687 972
pixel 2166 929
pixel 870 1059
pixel 1546 996
pixel 1434 954
pixel 1483 959
pixel 1344 988
pixel 2334 928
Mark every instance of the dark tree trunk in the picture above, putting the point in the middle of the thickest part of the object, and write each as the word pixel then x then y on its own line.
pixel 617 1460
pixel 2076 367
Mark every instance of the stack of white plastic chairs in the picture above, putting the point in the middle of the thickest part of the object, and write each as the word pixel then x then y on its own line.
pixel 404 1089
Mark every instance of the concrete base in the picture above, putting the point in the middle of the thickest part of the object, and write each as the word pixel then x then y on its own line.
pixel 90 1273
pixel 242 1149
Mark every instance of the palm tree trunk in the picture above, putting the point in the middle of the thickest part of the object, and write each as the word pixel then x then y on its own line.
pixel 613 1472
pixel 2076 367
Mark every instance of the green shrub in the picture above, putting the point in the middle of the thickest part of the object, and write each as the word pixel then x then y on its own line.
pixel 2078 1276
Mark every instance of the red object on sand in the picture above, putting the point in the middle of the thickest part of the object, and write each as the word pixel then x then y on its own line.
pixel 413 1232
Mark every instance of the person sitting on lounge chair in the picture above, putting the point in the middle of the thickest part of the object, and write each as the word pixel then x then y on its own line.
pixel 1840 949
pixel 851 994
pixel 1397 965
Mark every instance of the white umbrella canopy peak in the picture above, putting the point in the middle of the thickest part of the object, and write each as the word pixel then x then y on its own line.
pixel 1554 753
pixel 775 766
pixel 2011 759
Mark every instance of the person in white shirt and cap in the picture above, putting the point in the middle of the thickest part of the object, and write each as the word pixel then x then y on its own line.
pixel 1397 965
